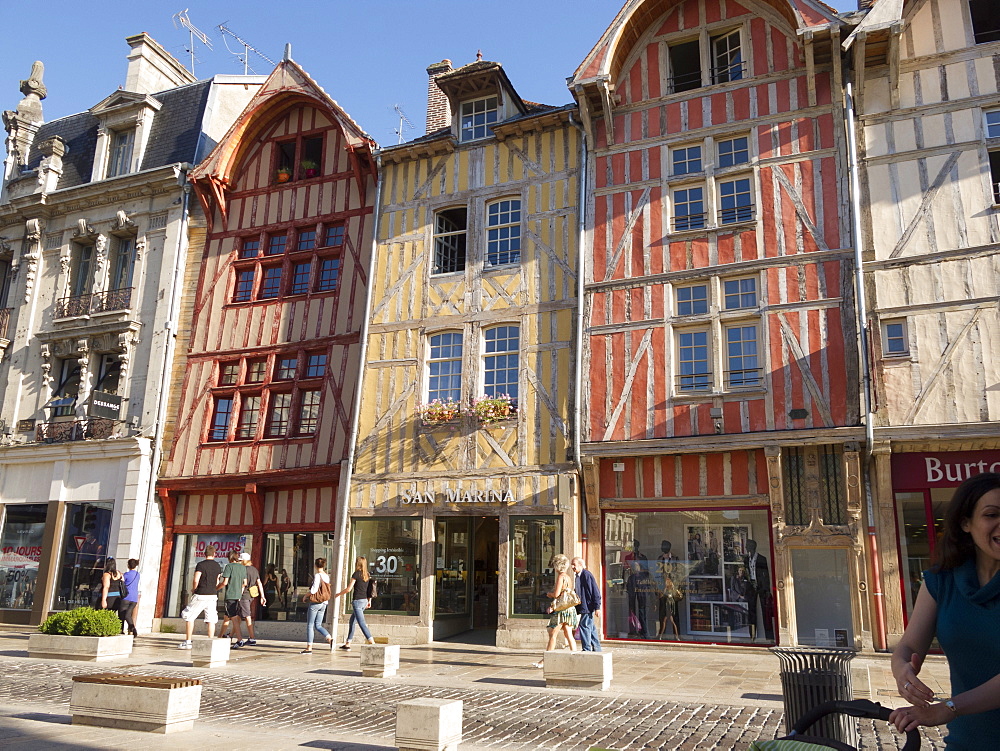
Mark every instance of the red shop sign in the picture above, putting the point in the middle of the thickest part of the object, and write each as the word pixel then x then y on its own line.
pixel 946 469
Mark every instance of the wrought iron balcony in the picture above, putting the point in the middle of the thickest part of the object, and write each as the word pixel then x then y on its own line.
pixel 97 302
pixel 694 382
pixel 684 222
pixel 744 379
pixel 74 430
pixel 735 214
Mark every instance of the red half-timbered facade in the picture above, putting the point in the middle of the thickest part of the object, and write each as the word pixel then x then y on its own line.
pixel 722 411
pixel 271 365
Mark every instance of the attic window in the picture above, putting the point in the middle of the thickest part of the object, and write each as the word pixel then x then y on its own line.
pixel 299 159
pixel 120 155
pixel 477 118
pixel 985 20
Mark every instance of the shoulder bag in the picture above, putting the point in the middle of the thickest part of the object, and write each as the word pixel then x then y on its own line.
pixel 123 587
pixel 320 595
pixel 568 598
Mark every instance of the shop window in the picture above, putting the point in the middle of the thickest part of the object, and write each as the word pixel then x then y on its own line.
pixel 534 540
pixel 822 597
pixel 503 232
pixel 83 552
pixel 693 366
pixel 685 66
pixel 895 342
pixel 741 358
pixel 699 575
pixel 692 300
pixel 120 153
pixel 392 547
pixel 452 549
pixel 222 411
pixel 21 553
pixel 733 151
pixel 985 20
pixel 478 117
pixel 727 57
pixel 686 161
pixel 287 573
pixel 735 201
pixel 739 294
pixel 189 551
pixel 500 365
pixel 444 367
pixel 450 227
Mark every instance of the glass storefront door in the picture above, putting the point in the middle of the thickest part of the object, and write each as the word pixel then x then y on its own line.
pixel 533 542
pixel 289 566
pixel 83 552
pixel 20 554
pixel 453 561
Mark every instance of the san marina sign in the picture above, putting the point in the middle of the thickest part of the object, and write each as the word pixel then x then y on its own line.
pixel 455 495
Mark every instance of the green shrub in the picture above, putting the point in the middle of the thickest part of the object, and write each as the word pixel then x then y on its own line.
pixel 82 622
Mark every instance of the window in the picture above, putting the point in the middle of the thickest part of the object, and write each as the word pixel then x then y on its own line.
pixel 687 160
pixel 894 339
pixel 993 124
pixel 280 415
pixel 689 209
pixel 735 201
pixel 300 278
pixel 727 59
pixel 219 429
pixel 444 367
pixel 450 228
pixel 276 244
pixel 734 151
pixel 692 360
pixel 503 232
pixel 685 66
pixel 478 117
pixel 255 370
pixel 741 357
pixel 739 293
pixel 500 366
pixel 329 273
pixel 334 236
pixel 121 270
pixel 120 154
pixel 306 239
pixel 249 417
pixel 244 286
pixel 309 412
pixel 985 20
pixel 68 388
pixel 229 373
pixel 533 540
pixel 270 285
pixel 285 367
pixel 392 547
pixel 109 374
pixel 249 247
pixel 301 158
pixel 315 365
pixel 995 175
pixel 692 300
pixel 80 271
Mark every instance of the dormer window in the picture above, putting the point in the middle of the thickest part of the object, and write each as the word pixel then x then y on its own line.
pixel 725 53
pixel 478 117
pixel 120 153
pixel 125 120
pixel 298 159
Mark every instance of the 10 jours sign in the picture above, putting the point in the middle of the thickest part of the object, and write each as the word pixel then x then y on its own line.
pixel 454 495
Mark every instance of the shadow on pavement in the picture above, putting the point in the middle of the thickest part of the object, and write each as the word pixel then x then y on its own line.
pixel 14 653
pixel 59 719
pixel 763 697
pixel 172 664
pixel 323 671
pixel 511 681
pixel 346 746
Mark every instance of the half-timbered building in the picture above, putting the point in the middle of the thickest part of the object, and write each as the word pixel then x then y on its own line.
pixel 722 418
pixel 464 482
pixel 927 96
pixel 271 350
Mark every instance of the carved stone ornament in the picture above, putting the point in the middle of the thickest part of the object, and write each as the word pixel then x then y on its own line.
pixel 30 108
pixel 100 257
pixel 140 248
pixel 30 252
pixel 46 365
pixel 122 222
pixel 65 260
pixel 83 229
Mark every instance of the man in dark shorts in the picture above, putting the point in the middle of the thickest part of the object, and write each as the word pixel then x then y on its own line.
pixel 254 589
pixel 204 597
pixel 234 582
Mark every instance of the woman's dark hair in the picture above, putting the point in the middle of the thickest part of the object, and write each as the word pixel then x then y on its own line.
pixel 321 563
pixel 955 546
pixel 132 563
pixel 110 567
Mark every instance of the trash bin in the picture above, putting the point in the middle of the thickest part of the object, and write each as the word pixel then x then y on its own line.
pixel 812 676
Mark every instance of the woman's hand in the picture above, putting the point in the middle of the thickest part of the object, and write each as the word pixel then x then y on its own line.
pixel 910 687
pixel 368 605
pixel 909 718
pixel 104 604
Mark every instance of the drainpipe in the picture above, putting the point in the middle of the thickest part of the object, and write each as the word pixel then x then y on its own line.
pixel 170 328
pixel 862 313
pixel 347 466
pixel 580 313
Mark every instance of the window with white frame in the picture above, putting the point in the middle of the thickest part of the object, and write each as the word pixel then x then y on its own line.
pixel 444 367
pixel 503 232
pixel 739 293
pixel 501 361
pixel 477 117
pixel 694 205
pixel 733 151
pixel 450 236
pixel 120 152
pixel 686 160
pixel 689 208
pixel 742 364
pixel 895 342
pixel 693 363
pixel 725 53
pixel 992 127
pixel 727 57
pixel 735 201
pixel 692 299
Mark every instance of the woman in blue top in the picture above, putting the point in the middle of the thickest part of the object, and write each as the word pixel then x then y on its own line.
pixel 128 604
pixel 960 603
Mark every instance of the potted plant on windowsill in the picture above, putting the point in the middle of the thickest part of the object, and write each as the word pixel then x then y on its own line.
pixel 309 168
pixel 440 412
pixel 493 409
pixel 81 634
pixel 284 174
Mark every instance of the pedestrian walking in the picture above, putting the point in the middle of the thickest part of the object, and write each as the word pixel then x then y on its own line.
pixel 254 589
pixel 270 597
pixel 234 581
pixel 111 587
pixel 204 597
pixel 318 599
pixel 563 621
pixel 589 608
pixel 361 586
pixel 130 602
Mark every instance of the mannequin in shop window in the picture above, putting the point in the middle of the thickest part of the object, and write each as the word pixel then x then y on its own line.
pixel 758 590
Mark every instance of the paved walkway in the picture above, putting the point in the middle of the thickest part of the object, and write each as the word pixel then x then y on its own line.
pixel 270 696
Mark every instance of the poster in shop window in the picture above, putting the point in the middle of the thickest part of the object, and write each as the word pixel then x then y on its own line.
pixel 718 580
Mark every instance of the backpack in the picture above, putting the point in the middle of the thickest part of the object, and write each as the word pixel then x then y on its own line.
pixel 372 589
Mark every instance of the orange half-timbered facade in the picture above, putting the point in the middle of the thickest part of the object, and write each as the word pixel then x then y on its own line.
pixel 271 366
pixel 722 417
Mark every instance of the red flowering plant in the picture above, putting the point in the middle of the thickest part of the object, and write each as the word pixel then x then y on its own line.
pixel 440 411
pixel 491 409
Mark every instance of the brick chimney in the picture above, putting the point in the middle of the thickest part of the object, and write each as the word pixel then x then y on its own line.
pixel 151 68
pixel 438 106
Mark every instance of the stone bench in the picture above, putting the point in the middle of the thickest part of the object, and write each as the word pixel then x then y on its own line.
pixel 135 702
pixel 591 670
pixel 429 725
pixel 209 653
pixel 379 660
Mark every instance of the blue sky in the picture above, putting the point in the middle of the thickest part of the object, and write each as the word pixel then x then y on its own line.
pixel 369 55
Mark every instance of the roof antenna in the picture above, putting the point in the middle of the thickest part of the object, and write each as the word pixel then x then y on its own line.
pixel 404 121
pixel 247 49
pixel 193 33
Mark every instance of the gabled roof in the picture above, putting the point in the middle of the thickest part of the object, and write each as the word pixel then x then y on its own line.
pixel 122 100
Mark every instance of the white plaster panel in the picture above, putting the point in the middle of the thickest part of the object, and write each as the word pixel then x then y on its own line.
pixel 965 124
pixel 952 25
pixel 934 133
pixel 885 225
pixel 890 289
pixel 876 143
pixel 985 282
pixel 877 95
pixel 95 480
pixel 905 135
pixel 958 81
pixel 26 483
pixel 985 76
pixel 907 96
pixel 922 29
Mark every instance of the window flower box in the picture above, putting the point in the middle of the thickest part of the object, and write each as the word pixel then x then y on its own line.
pixel 492 409
pixel 309 168
pixel 284 174
pixel 440 412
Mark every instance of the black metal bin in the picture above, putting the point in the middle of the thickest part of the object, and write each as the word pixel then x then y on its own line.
pixel 811 676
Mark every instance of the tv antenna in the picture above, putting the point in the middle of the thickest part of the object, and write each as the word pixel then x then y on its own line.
pixel 194 33
pixel 244 57
pixel 404 122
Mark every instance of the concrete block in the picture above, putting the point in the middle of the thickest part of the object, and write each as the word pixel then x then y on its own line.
pixel 564 669
pixel 379 660
pixel 153 710
pixel 83 648
pixel 429 725
pixel 209 653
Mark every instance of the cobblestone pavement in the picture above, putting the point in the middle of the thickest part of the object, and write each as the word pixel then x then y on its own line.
pixel 323 699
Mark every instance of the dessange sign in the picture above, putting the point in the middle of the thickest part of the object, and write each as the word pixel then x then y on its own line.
pixel 941 470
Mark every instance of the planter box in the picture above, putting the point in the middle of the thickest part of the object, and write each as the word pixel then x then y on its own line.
pixel 429 725
pixel 565 669
pixel 85 648
pixel 153 705
pixel 379 660
pixel 209 653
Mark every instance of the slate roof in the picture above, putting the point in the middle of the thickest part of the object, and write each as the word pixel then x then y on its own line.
pixel 174 136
